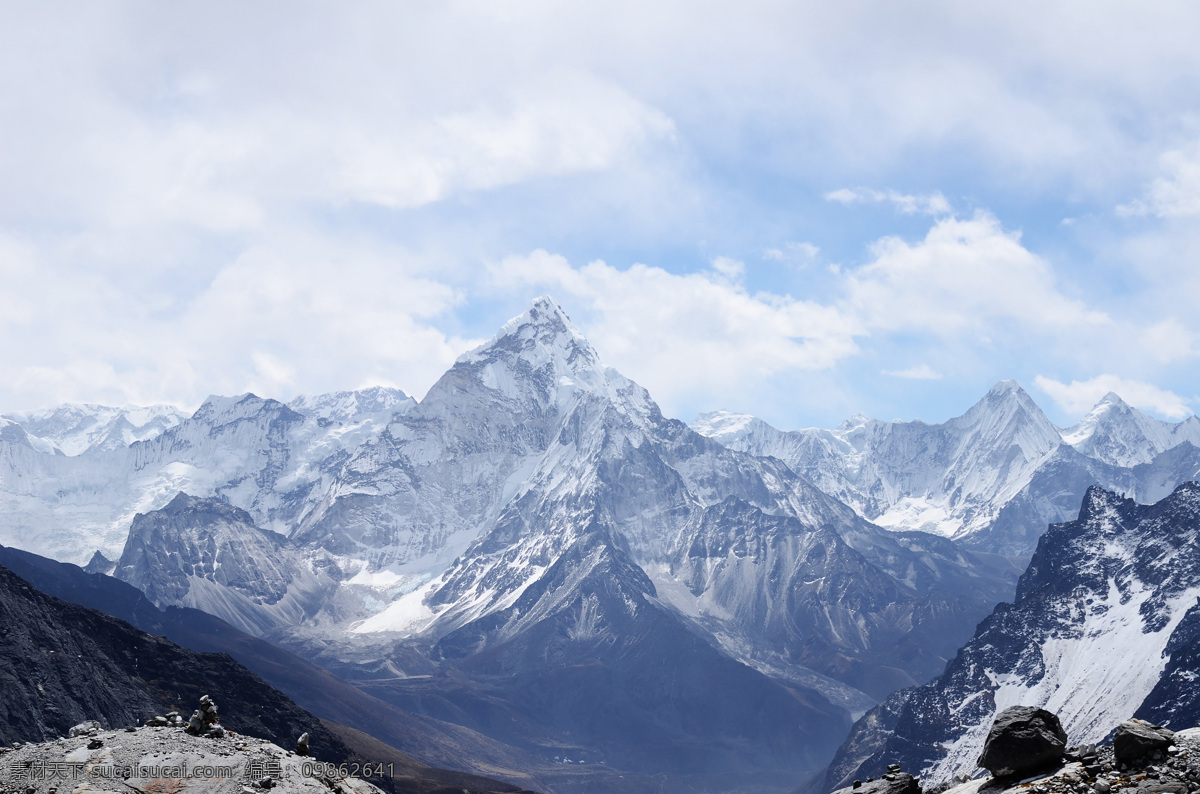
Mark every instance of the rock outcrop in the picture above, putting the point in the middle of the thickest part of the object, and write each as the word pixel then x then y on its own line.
pixel 892 782
pixel 1137 739
pixel 1023 739
pixel 1104 627
pixel 1095 769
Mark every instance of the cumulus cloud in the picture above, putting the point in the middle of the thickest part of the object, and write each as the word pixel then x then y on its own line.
pixel 968 286
pixel 691 333
pixel 570 124
pixel 1078 397
pixel 177 222
pixel 221 197
pixel 295 315
pixel 964 276
pixel 908 204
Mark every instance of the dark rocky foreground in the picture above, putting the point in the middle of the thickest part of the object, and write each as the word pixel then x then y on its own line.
pixel 168 759
pixel 1061 641
pixel 313 688
pixel 63 664
pixel 1025 754
pixel 1171 770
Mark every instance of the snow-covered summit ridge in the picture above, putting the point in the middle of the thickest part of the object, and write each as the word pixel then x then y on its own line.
pixel 719 424
pixel 1119 434
pixel 75 428
pixel 540 356
pixel 543 325
pixel 1002 462
pixel 373 402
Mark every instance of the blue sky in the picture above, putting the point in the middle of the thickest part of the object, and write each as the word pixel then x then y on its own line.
pixel 801 211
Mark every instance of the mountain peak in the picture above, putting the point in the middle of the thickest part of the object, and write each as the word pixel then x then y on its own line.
pixel 1006 387
pixel 543 315
pixel 717 424
pixel 542 335
pixel 1099 501
pixel 546 305
pixel 1112 399
pixel 1119 434
pixel 1007 397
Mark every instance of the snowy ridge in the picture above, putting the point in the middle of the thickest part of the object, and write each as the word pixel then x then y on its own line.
pixel 258 454
pixel 995 476
pixel 1088 637
pixel 74 429
pixel 1119 434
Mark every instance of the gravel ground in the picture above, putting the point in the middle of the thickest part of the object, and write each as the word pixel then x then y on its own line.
pixel 169 761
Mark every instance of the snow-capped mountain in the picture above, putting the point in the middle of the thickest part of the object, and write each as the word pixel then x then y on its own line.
pixel 535 552
pixel 1103 626
pixel 1120 435
pixel 274 461
pixel 534 526
pixel 605 460
pixel 208 555
pixel 600 558
pixel 994 477
pixel 74 429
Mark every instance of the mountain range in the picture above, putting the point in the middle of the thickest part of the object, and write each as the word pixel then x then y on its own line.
pixel 993 478
pixel 534 552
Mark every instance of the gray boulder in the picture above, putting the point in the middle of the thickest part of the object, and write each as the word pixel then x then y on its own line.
pixel 84 729
pixel 1135 739
pixel 1023 739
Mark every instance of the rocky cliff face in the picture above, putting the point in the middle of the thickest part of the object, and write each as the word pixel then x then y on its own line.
pixel 64 664
pixel 1102 627
pixel 313 688
pixel 209 555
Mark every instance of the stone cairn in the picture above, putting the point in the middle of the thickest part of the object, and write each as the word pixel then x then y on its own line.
pixel 204 720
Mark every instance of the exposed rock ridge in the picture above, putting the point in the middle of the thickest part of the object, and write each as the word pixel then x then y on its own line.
pixel 1099 628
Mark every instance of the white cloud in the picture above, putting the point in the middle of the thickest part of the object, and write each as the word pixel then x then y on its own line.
pixel 569 124
pixel 929 204
pixel 680 335
pixel 730 269
pixel 295 315
pixel 919 372
pixel 220 197
pixel 964 276
pixel 229 175
pixel 1078 397
pixel 968 288
pixel 1176 194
